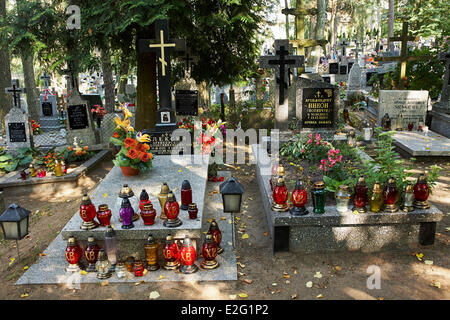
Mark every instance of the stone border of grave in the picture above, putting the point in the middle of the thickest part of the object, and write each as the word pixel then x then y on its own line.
pixel 331 232
pixel 13 179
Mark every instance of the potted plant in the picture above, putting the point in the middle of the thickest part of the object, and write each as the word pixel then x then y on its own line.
pixel 133 156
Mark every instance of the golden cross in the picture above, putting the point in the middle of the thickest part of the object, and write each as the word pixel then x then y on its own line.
pixel 162 45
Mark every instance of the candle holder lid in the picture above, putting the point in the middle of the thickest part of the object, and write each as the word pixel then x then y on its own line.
pixel 209 238
pixel 147 207
pixel 213 224
pixel 169 237
pixel 143 195
pixel 422 178
pixel 281 170
pixel 72 241
pixel 377 188
pixel 361 181
pixel 192 206
pixel 126 192
pixel 319 185
pixel 110 232
pixel 103 207
pixel 391 181
pixel 86 199
pixel 91 239
pixel 170 196
pixel 185 185
pixel 409 188
pixel 164 189
pixel 150 239
pixel 280 182
pixel 299 184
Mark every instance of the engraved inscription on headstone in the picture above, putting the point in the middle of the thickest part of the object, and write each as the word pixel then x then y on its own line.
pixel 78 117
pixel 412 104
pixel 161 142
pixel 47 109
pixel 318 105
pixel 17 132
pixel 334 68
pixel 186 102
pixel 343 69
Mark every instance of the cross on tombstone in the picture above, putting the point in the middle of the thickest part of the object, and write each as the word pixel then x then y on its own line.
pixel 280 62
pixel 445 56
pixel 163 46
pixel 46 79
pixel 344 45
pixel 300 43
pixel 71 83
pixel 403 58
pixel 357 43
pixel 188 62
pixel 15 90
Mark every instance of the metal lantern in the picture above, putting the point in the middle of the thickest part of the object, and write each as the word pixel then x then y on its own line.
pixel 14 221
pixel 231 191
pixel 111 247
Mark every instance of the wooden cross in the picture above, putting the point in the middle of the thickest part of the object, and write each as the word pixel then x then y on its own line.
pixel 46 79
pixel 404 53
pixel 445 56
pixel 16 91
pixel 163 47
pixel 301 43
pixel 279 62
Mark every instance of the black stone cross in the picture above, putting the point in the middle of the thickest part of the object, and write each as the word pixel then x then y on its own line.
pixel 280 65
pixel 16 91
pixel 188 59
pixel 445 94
pixel 344 45
pixel 46 79
pixel 163 46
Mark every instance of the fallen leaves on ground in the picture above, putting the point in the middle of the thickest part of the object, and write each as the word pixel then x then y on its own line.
pixel 319 296
pixel 83 272
pixel 232 296
pixel 318 275
pixel 309 284
pixel 286 275
pixel 214 192
pixel 243 295
pixel 242 274
pixel 240 265
pixel 419 256
pixel 294 296
pixel 429 262
pixel 25 268
pixel 436 284
pixel 24 295
pixel 223 218
pixel 245 236
pixel 138 283
pixel 104 283
pixel 247 281
pixel 266 234
pixel 161 277
pixel 42 254
pixel 154 295
pixel 338 268
pixel 11 261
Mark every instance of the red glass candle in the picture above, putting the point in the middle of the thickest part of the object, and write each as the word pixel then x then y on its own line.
pixel 73 255
pixel 216 234
pixel 23 175
pixel 186 195
pixel 138 268
pixel 391 196
pixel 299 198
pixel 361 199
pixel 143 199
pixel 280 196
pixel 87 213
pixel 421 192
pixel 410 126
pixel 193 211
pixel 91 254
pixel 188 255
pixel 171 210
pixel 148 214
pixel 171 253
pixel 209 253
pixel 104 215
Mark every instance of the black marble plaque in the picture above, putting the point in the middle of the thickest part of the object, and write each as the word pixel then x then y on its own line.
pixel 186 102
pixel 317 110
pixel 47 109
pixel 161 142
pixel 350 65
pixel 78 117
pixel 327 79
pixel 17 132
pixel 343 69
pixel 333 68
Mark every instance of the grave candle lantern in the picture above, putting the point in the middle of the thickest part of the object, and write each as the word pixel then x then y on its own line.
pixel 410 126
pixel 420 124
pixel 318 197
pixel 345 113
pixel 91 254
pixel 408 206
pixel 280 196
pixel 367 132
pixel 342 199
pixel 193 211
pixel 111 246
pixel 171 254
pixel 126 214
pixel 143 199
pixel 127 193
pixel 104 215
pixel 87 213
pixel 33 171
pixel 216 234
pixel 171 209
pixel 391 196
pixel 58 170
pixel 278 170
pixel 103 266
pixel 148 214
pixel 299 198
pixel 64 167
pixel 129 264
pixel 138 268
pixel 376 201
pixel 399 123
pixel 23 175
pixel 186 195
pixel 73 255
pixel 162 198
pixel 351 139
pixel 421 192
pixel 188 255
pixel 121 270
pixel 151 252
pixel 361 199
pixel 209 253
pixel 386 122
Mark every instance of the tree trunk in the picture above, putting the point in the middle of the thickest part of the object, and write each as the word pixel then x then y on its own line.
pixel 30 84
pixel 146 85
pixel 333 24
pixel 312 35
pixel 319 32
pixel 391 23
pixel 203 96
pixel 108 78
pixel 124 68
pixel 287 19
pixel 5 72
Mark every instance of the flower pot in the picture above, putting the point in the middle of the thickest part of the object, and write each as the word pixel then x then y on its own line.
pixel 129 171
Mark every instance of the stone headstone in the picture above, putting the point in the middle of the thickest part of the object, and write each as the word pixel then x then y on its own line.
pixel 17 128
pixel 92 100
pixel 48 120
pixel 130 89
pixel 412 104
pixel 317 106
pixel 333 68
pixel 80 124
pixel 354 80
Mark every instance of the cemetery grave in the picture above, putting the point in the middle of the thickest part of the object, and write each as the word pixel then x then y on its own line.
pixel 226 157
